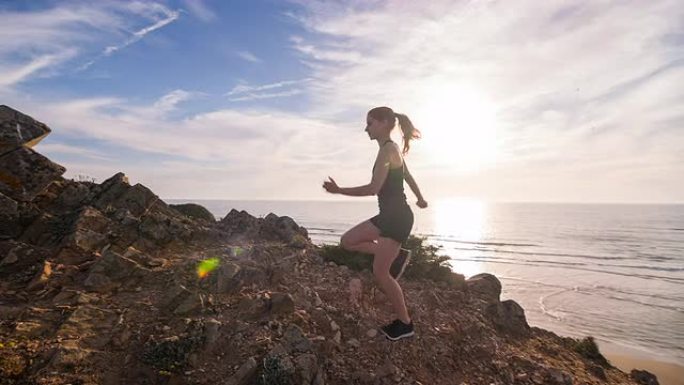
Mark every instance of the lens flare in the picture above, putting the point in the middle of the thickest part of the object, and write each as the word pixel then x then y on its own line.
pixel 207 266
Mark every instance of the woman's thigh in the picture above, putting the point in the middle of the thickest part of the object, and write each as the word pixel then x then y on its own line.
pixel 363 232
pixel 385 253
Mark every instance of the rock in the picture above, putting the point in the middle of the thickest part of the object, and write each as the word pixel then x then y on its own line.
pixel 354 343
pixel 194 211
pixel 224 279
pixel 90 325
pixel 106 193
pixel 192 303
pixel 485 286
pixel 17 129
pixel 281 304
pixel 211 332
pixel 306 366
pixel 557 377
pixel 8 206
pixel 41 278
pixel 643 377
pixel 596 371
pixel 295 340
pixel 509 316
pixel 111 271
pixel 68 356
pixel 25 173
pixel 372 333
pixel 245 374
pixel 136 199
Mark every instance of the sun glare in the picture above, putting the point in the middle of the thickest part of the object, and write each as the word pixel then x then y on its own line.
pixel 459 126
pixel 463 221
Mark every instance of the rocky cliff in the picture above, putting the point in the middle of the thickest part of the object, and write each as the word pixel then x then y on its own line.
pixel 99 284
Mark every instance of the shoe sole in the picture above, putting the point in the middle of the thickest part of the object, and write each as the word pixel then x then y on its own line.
pixel 406 335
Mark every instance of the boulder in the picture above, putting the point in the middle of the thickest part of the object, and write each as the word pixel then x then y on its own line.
pixel 643 377
pixel 509 316
pixel 194 211
pixel 25 173
pixel 17 129
pixel 485 286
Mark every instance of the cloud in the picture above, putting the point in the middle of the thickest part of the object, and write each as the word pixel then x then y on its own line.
pixel 199 9
pixel 563 89
pixel 42 42
pixel 250 57
pixel 246 92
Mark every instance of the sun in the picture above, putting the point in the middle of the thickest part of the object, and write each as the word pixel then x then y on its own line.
pixel 458 125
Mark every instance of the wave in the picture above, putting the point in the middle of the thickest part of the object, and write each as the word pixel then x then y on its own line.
pixel 675 280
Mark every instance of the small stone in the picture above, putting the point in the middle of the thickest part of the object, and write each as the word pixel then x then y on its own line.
pixel 354 343
pixel 372 333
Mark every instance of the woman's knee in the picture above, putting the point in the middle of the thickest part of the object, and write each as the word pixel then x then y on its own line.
pixel 346 241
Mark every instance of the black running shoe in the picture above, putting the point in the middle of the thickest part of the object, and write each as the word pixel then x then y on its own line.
pixel 397 330
pixel 399 264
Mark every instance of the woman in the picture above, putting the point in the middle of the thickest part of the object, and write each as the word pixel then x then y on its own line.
pixel 383 234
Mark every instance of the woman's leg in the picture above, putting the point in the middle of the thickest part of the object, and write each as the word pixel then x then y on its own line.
pixel 385 252
pixel 361 238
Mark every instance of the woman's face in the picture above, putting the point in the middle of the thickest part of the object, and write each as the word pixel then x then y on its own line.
pixel 376 128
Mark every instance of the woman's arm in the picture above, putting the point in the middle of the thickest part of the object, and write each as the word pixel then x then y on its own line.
pixel 380 171
pixel 414 187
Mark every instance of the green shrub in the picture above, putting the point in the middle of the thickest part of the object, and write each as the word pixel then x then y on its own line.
pixel 587 348
pixel 425 262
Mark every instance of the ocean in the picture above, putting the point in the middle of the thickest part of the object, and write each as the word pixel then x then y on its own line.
pixel 612 271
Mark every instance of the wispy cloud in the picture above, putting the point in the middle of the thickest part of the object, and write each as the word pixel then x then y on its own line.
pixel 250 57
pixel 199 9
pixel 36 43
pixel 169 16
pixel 266 95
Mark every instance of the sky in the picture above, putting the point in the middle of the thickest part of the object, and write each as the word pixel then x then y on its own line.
pixel 557 101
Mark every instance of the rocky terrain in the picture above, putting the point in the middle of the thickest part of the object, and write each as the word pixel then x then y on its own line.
pixel 99 284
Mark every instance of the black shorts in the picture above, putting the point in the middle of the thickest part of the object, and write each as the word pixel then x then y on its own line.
pixel 395 224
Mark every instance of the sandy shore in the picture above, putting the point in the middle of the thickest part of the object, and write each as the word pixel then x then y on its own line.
pixel 668 373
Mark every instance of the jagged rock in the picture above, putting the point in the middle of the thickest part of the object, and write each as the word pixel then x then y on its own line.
pixel 182 301
pixel 136 199
pixel 41 278
pixel 110 190
pixel 92 326
pixel 194 211
pixel 643 377
pixel 510 316
pixel 281 304
pixel 73 196
pixel 245 374
pixel 111 271
pixel 296 341
pixel 8 206
pixel 25 173
pixel 486 286
pixel 557 377
pixel 286 229
pixel 224 278
pixel 17 129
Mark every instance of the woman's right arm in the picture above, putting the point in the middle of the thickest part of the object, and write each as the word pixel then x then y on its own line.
pixel 414 187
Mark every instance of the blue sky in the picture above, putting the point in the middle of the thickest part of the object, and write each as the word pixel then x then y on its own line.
pixel 517 101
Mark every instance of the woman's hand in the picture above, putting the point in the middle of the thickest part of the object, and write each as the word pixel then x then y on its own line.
pixel 331 186
pixel 421 203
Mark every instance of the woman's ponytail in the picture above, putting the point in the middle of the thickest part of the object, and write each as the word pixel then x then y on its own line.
pixel 409 132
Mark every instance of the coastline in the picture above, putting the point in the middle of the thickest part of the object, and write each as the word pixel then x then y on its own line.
pixel 625 359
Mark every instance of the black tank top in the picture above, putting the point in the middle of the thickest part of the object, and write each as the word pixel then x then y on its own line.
pixel 391 195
